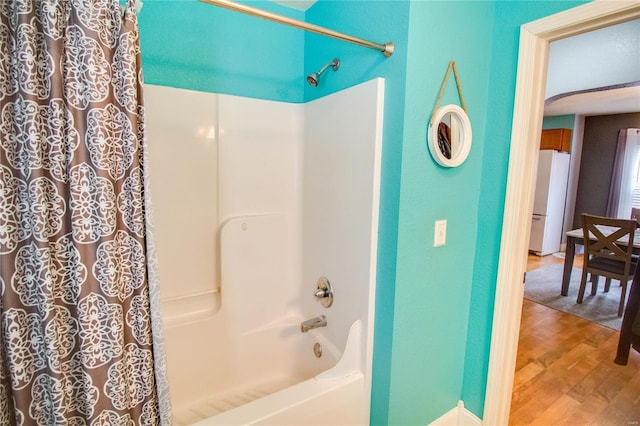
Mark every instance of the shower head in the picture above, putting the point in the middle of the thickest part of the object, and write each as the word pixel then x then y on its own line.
pixel 313 78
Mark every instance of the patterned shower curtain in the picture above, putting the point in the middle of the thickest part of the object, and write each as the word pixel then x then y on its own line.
pixel 80 333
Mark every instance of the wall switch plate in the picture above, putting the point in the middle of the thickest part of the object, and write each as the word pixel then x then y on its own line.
pixel 440 237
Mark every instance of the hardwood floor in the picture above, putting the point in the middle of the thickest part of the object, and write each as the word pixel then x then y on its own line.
pixel 565 372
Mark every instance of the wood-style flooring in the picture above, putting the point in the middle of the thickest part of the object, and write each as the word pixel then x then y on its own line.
pixel 565 374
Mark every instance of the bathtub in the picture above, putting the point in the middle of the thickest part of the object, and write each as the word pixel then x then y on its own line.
pixel 248 362
pixel 281 381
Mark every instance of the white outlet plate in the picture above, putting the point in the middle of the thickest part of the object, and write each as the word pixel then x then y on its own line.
pixel 440 236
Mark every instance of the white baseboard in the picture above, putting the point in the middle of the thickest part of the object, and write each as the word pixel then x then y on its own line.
pixel 458 416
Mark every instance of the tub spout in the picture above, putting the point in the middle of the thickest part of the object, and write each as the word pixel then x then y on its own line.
pixel 316 322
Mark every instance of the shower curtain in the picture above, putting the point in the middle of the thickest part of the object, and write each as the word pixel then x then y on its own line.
pixel 80 332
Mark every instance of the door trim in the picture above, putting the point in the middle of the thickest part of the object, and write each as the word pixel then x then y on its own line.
pixel 523 162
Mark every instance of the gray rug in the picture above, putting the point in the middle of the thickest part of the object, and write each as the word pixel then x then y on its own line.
pixel 543 286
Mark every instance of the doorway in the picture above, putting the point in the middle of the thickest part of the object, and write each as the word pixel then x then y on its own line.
pixel 527 122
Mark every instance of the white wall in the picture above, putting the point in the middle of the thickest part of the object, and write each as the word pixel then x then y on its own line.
pixel 307 173
pixel 574 176
pixel 181 132
pixel 214 158
pixel 259 192
pixel 252 160
pixel 340 205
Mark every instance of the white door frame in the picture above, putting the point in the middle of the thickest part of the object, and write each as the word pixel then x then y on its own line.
pixel 525 138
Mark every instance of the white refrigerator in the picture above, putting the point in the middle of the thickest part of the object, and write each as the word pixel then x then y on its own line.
pixel 548 205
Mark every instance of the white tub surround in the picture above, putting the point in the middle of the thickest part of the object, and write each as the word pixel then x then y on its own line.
pixel 254 201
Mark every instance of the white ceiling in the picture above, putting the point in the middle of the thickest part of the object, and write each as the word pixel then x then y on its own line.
pixel 603 102
pixel 296 4
pixel 583 66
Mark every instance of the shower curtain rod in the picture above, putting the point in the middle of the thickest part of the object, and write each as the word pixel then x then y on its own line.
pixel 386 49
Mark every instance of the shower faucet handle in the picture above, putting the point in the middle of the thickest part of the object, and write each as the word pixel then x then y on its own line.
pixel 324 293
pixel 321 293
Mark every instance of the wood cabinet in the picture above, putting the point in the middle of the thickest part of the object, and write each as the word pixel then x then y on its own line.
pixel 558 139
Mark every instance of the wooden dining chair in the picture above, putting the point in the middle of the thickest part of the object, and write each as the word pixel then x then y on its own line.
pixel 606 253
pixel 635 214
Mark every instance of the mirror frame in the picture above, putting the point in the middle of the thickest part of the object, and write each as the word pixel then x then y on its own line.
pixel 464 144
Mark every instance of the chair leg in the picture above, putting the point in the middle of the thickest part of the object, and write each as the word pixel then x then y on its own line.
pixel 594 284
pixel 623 295
pixel 583 286
pixel 607 285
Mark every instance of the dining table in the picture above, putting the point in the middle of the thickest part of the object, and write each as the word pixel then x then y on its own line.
pixel 576 237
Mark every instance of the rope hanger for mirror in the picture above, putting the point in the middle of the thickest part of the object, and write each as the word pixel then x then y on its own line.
pixel 452 66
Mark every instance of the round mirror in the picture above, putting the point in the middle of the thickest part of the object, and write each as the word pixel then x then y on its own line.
pixel 449 136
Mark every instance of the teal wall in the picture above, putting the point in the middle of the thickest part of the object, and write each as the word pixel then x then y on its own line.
pixel 433 285
pixel 193 45
pixel 433 305
pixel 559 122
